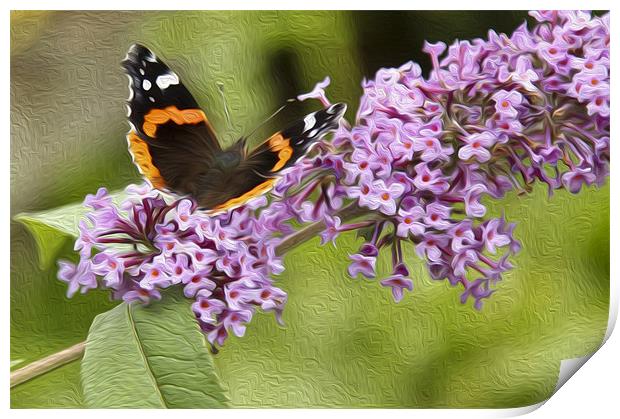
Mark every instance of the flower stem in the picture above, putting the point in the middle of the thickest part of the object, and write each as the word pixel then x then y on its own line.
pixel 47 364
pixel 311 230
pixel 75 352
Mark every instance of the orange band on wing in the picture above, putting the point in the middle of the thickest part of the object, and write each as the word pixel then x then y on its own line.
pixel 142 158
pixel 258 190
pixel 157 117
pixel 283 147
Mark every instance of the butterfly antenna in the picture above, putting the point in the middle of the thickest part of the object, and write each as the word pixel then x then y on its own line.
pixel 288 102
pixel 220 87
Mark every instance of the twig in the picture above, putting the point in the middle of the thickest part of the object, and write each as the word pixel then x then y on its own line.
pixel 47 364
pixel 311 230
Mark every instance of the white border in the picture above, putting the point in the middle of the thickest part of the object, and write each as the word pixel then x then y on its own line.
pixel 304 5
pixel 595 390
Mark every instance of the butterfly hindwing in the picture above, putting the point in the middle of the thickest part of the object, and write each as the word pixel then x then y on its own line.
pixel 257 170
pixel 286 147
pixel 171 140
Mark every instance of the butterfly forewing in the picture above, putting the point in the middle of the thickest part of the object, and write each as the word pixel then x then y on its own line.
pixel 171 139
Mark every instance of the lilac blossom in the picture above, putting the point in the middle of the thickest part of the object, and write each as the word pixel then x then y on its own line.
pixel 493 116
pixel 146 245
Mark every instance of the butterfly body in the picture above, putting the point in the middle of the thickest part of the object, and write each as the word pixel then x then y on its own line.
pixel 176 149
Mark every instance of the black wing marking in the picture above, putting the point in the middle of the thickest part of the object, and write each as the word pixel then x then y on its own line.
pixel 284 148
pixel 171 139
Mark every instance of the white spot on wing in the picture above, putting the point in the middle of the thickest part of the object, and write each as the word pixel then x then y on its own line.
pixel 309 122
pixel 166 80
pixel 151 98
pixel 313 133
pixel 130 88
pixel 146 85
pixel 142 71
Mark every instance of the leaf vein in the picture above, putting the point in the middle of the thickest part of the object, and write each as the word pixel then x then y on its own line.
pixel 144 357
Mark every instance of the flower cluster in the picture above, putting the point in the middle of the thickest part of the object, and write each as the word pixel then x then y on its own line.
pixel 493 116
pixel 145 245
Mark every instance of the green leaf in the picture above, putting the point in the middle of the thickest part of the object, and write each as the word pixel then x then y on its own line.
pixel 52 228
pixel 150 357
pixel 49 239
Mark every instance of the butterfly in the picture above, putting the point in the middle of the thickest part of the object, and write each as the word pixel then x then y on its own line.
pixel 176 150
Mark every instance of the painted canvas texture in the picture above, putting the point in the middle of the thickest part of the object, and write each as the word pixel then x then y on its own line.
pixel 444 245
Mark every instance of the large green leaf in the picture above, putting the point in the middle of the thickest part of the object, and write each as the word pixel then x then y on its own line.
pixel 149 357
pixel 52 228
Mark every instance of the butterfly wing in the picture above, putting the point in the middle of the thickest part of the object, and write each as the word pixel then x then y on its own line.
pixel 251 174
pixel 171 140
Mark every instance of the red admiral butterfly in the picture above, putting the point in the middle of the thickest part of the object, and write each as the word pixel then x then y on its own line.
pixel 176 149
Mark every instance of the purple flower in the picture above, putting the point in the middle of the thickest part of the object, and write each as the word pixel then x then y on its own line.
pixel 216 335
pixel 110 267
pixel 408 222
pixel 462 235
pixel 235 320
pixel 332 225
pixel 364 265
pixel 431 149
pixel 142 295
pixel 86 239
pixel 80 278
pixel 430 180
pixel 492 235
pixel 431 247
pixel 399 282
pixel 158 245
pixel 523 74
pixel 506 102
pixel 198 281
pixel 385 196
pixel 575 179
pixel 98 201
pixel 477 146
pixel 434 50
pixel 185 207
pixel 318 93
pixel 207 308
pixel 473 207
pixel 462 260
pixel 271 299
pixel 364 262
pixel 437 216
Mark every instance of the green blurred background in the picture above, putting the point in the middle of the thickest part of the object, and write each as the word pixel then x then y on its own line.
pixel 345 344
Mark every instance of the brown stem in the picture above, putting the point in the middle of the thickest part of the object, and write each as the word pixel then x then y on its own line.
pixel 47 364
pixel 76 352
pixel 311 230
